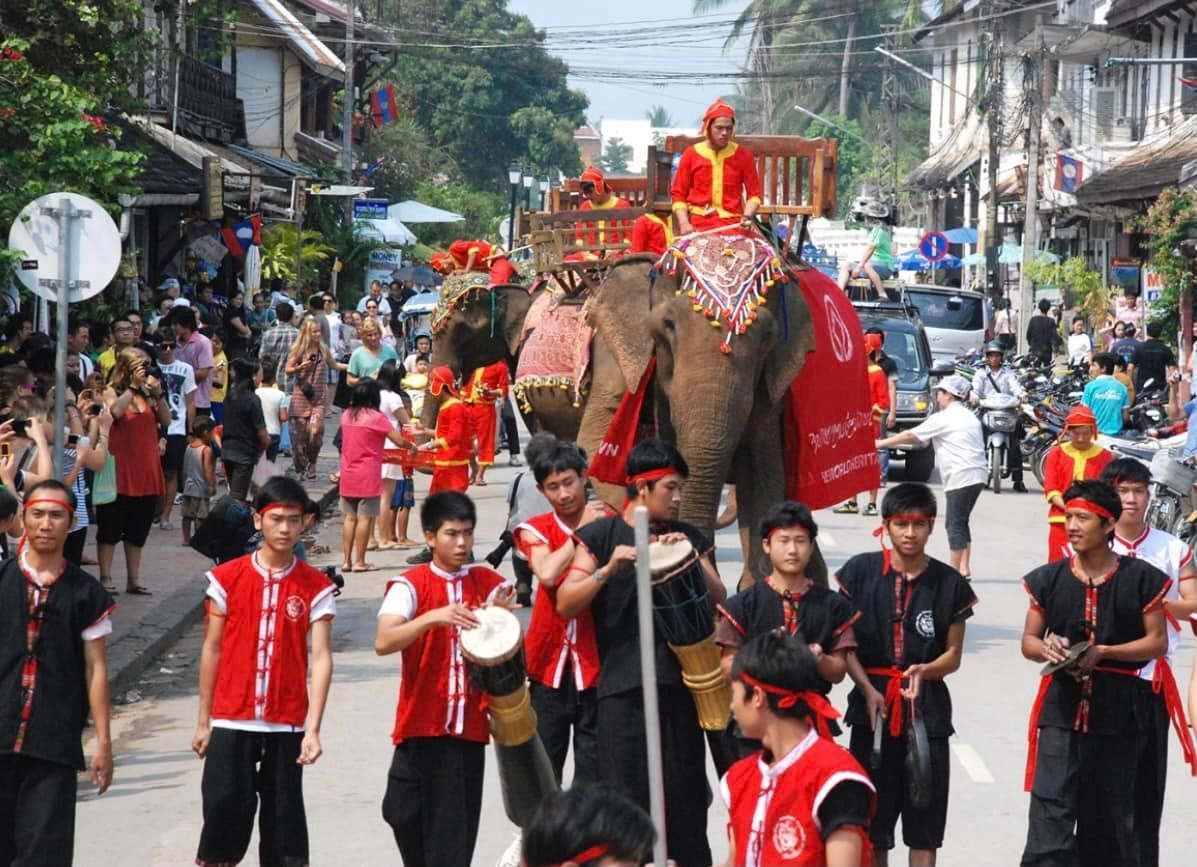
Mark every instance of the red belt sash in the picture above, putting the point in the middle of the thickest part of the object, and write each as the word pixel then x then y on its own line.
pixel 893 696
pixel 1163 683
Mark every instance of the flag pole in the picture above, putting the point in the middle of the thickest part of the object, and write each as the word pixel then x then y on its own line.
pixel 648 683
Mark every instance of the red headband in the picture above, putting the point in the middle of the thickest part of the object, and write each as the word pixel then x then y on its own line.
pixel 64 505
pixel 653 475
pixel 1080 504
pixel 596 851
pixel 270 507
pixel 818 704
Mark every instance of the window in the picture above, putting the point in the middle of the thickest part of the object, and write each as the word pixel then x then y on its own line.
pixel 941 310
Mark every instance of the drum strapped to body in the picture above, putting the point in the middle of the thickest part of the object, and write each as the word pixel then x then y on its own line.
pixel 684 615
pixel 494 651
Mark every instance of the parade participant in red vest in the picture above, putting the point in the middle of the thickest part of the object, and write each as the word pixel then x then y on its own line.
pixel 561 654
pixel 54 671
pixel 790 601
pixel 652 233
pixel 434 787
pixel 910 639
pixel 1067 462
pixel 716 182
pixel 470 255
pixel 482 390
pixel 1090 719
pixel 259 720
pixel 802 799
pixel 598 197
pixel 451 439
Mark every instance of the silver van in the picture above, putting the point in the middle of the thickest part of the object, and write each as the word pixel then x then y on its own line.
pixel 955 319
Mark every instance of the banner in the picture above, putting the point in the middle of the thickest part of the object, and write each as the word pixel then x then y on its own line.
pixel 609 463
pixel 240 236
pixel 830 435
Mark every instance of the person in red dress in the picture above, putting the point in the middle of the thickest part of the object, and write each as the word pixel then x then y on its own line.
pixel 485 386
pixel 502 272
pixel 470 255
pixel 1080 457
pixel 451 439
pixel 803 799
pixel 259 720
pixel 561 653
pixel 716 182
pixel 434 787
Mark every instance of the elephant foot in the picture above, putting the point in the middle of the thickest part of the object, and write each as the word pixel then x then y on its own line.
pixel 728 516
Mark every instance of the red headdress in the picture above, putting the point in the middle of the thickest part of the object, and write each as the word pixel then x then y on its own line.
pixel 442 379
pixel 594 175
pixel 872 342
pixel 1081 416
pixel 717 109
pixel 442 263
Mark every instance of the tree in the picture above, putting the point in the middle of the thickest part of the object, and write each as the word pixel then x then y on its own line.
pixel 659 116
pixel 616 155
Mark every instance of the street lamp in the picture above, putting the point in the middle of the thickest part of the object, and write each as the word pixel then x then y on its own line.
pixel 529 181
pixel 544 191
pixel 514 174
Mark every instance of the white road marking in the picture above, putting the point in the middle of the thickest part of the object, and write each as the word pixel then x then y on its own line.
pixel 826 540
pixel 973 764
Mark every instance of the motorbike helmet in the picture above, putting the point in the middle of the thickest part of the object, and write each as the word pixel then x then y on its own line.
pixel 995 346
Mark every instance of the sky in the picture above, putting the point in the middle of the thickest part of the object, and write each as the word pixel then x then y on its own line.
pixel 662 36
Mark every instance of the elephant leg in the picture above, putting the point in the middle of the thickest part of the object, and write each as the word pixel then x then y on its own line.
pixel 606 391
pixel 759 468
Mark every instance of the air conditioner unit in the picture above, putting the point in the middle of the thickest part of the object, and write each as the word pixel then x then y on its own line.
pixel 1109 122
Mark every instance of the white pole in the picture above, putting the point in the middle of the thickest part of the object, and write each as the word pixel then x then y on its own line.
pixel 648 682
pixel 66 215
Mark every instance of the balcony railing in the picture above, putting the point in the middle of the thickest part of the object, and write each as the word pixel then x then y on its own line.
pixel 207 103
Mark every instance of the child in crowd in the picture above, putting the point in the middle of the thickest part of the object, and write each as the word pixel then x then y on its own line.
pixel 451 439
pixel 220 375
pixel 273 409
pixel 259 719
pixel 199 475
pixel 434 787
pixel 398 484
pixel 414 384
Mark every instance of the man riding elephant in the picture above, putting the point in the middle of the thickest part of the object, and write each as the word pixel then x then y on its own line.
pixel 597 196
pixel 716 182
pixel 470 255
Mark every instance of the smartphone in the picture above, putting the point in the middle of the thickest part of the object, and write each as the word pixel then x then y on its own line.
pixel 20 426
pixel 95 409
pixel 5 450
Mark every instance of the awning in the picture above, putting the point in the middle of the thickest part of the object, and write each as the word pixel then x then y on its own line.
pixel 389 231
pixel 1144 172
pixel 1083 44
pixel 278 164
pixel 961 149
pixel 412 211
pixel 310 49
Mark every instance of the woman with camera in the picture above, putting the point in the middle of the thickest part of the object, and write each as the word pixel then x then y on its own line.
pixel 308 364
pixel 138 406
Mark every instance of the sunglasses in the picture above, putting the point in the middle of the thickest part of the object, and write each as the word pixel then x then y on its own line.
pixel 166 346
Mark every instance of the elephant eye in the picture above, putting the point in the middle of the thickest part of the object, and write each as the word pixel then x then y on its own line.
pixel 670 324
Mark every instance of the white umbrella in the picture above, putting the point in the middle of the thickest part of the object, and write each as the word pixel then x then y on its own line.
pixel 412 211
pixel 253 269
pixel 390 231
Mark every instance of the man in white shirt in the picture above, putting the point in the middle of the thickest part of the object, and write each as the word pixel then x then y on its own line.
pixel 1133 538
pixel 960 458
pixel 375 294
pixel 997 378
pixel 178 385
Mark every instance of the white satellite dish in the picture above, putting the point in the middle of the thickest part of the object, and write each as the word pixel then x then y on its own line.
pixel 95 247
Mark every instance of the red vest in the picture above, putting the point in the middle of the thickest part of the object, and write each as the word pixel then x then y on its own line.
pixel 612 234
pixel 651 234
pixel 436 697
pixel 552 640
pixel 263 673
pixel 878 390
pixel 772 810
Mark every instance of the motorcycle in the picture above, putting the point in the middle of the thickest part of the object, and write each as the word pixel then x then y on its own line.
pixel 1172 495
pixel 999 415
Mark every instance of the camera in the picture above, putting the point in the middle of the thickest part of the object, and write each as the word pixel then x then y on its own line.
pixel 335 577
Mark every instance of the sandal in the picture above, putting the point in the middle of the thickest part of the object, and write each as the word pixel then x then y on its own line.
pixel 387 546
pixel 109 586
pixel 137 590
pixel 362 567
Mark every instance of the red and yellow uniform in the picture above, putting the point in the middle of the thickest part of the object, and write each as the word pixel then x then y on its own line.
pixel 502 272
pixel 714 186
pixel 1065 464
pixel 651 234
pixel 452 442
pixel 481 407
pixel 460 252
pixel 878 380
pixel 598 233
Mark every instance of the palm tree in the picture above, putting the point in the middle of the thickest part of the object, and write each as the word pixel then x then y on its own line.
pixel 658 116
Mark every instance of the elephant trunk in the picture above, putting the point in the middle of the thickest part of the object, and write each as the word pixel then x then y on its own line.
pixel 708 471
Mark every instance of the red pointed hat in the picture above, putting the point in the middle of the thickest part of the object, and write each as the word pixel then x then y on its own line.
pixel 872 342
pixel 717 109
pixel 442 379
pixel 594 175
pixel 1080 416
pixel 442 263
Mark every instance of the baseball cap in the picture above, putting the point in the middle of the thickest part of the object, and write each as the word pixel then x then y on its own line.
pixel 955 385
pixel 169 283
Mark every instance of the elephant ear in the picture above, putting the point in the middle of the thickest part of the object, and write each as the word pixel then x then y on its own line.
pixel 795 337
pixel 619 311
pixel 511 308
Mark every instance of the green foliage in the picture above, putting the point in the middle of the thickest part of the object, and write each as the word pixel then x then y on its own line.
pixel 409 159
pixel 854 159
pixel 281 242
pixel 616 155
pixel 483 210
pixel 659 116
pixel 347 241
pixel 1091 298
pixel 1172 218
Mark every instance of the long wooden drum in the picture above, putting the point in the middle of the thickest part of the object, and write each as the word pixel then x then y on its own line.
pixel 685 616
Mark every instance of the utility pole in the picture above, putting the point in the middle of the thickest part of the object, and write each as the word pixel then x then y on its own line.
pixel 1030 225
pixel 347 107
pixel 995 85
pixel 889 101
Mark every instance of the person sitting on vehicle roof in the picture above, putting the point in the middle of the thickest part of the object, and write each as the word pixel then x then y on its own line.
pixel 716 182
pixel 877 263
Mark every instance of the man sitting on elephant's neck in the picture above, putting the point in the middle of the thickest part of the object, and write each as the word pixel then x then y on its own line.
pixel 716 182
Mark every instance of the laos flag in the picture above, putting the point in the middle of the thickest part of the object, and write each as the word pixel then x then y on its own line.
pixel 239 237
pixel 1069 173
pixel 384 108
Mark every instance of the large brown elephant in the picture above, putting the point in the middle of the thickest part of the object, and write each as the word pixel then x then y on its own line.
pixel 723 410
pixel 485 326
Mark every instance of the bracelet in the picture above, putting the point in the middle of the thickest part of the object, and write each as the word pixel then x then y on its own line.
pixel 598 576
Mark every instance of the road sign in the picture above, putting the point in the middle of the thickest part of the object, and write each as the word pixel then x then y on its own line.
pixel 94 245
pixel 370 209
pixel 934 246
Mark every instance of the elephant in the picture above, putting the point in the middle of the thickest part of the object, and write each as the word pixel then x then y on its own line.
pixel 485 326
pixel 722 409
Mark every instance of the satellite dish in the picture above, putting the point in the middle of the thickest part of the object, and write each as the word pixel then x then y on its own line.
pixel 95 246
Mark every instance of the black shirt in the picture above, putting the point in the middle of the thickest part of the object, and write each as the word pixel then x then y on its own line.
pixel 1125 348
pixel 243 418
pixel 1152 359
pixel 1042 334
pixel 75 602
pixel 1120 703
pixel 616 623
pixel 887 365
pixel 932 602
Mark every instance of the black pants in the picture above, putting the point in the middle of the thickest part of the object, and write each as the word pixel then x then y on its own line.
pixel 922 827
pixel 240 768
pixel 524 579
pixel 624 765
pixel 1083 801
pixel 511 432
pixel 433 800
pixel 239 476
pixel 1150 784
pixel 37 812
pixel 558 711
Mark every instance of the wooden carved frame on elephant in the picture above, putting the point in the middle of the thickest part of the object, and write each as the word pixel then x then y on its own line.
pixel 467 341
pixel 723 411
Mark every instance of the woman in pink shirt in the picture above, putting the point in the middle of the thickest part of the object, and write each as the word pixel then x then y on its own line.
pixel 364 431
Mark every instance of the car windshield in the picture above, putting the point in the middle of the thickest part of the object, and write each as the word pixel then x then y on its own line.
pixel 941 310
pixel 902 347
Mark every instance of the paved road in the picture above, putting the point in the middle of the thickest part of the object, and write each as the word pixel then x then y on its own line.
pixel 152 814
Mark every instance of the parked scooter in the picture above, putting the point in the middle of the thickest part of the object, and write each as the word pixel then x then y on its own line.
pixel 1172 496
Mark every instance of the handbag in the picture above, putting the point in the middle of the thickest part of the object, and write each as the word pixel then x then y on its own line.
pixel 103 486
